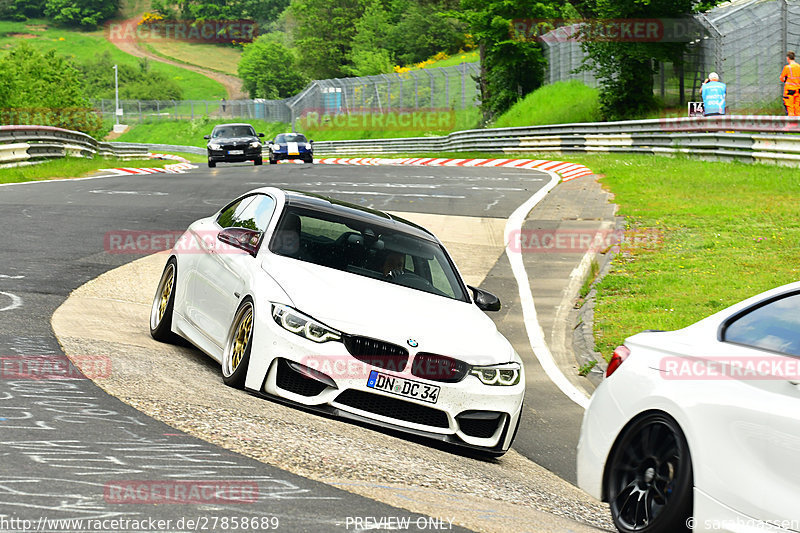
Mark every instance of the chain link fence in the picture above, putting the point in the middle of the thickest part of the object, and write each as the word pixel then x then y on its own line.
pixel 744 41
pixel 442 88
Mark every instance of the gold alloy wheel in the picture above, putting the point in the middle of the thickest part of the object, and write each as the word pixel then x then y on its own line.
pixel 166 292
pixel 241 338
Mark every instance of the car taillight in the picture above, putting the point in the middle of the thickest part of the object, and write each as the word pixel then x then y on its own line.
pixel 620 354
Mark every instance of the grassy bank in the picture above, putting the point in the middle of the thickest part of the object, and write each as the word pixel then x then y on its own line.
pixel 84 46
pixel 71 167
pixel 701 236
pixel 217 57
pixel 560 103
pixel 711 234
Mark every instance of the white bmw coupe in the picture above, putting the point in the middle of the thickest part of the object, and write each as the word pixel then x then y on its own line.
pixel 699 429
pixel 344 310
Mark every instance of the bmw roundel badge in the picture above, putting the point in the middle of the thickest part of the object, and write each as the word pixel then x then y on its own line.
pixel 412 343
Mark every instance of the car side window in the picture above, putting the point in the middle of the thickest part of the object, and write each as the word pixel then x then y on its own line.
pixel 253 212
pixel 774 326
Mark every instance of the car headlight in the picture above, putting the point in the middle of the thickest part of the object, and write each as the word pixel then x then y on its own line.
pixel 213 146
pixel 502 375
pixel 308 146
pixel 255 144
pixel 305 326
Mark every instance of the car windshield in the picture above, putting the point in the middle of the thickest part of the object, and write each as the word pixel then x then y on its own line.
pixel 284 138
pixel 367 249
pixel 233 131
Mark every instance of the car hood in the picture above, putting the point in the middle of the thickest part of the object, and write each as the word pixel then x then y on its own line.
pixel 361 305
pixel 233 140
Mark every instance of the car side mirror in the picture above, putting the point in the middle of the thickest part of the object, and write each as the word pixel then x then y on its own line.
pixel 311 140
pixel 207 137
pixel 241 238
pixel 485 300
pixel 260 134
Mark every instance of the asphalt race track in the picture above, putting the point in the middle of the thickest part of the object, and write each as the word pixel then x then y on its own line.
pixel 63 440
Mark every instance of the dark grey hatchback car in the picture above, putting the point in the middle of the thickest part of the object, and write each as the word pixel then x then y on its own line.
pixel 234 143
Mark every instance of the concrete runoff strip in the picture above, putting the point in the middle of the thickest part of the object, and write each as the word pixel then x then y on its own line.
pixel 182 387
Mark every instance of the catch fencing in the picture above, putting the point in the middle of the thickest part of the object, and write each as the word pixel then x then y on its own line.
pixel 744 41
pixel 441 88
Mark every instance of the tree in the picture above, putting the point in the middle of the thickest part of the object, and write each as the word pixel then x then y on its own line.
pixel 43 89
pixel 81 13
pixel 511 66
pixel 420 30
pixel 262 11
pixel 269 70
pixel 323 31
pixel 625 69
pixel 21 9
pixel 368 55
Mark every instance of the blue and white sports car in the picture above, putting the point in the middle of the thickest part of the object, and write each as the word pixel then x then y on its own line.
pixel 291 146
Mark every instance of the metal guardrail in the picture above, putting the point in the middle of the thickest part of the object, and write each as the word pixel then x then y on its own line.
pixel 30 144
pixel 771 139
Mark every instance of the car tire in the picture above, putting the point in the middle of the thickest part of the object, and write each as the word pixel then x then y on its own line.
pixel 236 357
pixel 273 161
pixel 309 160
pixel 163 304
pixel 258 162
pixel 211 164
pixel 649 481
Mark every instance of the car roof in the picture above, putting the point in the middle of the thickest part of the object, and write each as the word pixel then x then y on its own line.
pixel 317 202
pixel 233 124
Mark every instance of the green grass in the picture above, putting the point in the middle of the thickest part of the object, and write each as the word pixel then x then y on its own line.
pixel 190 132
pixel 701 237
pixel 83 46
pixel 705 236
pixel 217 57
pixel 71 167
pixel 562 102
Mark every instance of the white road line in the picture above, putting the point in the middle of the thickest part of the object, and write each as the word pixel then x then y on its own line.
pixel 532 326
pixel 16 302
pixel 373 193
pixel 6 276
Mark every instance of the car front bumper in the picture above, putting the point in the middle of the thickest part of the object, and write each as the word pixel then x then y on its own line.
pixel 467 413
pixel 222 156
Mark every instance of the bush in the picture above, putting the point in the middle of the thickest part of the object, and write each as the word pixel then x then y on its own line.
pixel 81 13
pixel 44 89
pixel 135 83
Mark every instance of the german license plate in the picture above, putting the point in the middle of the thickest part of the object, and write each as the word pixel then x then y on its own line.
pixel 403 387
pixel 235 152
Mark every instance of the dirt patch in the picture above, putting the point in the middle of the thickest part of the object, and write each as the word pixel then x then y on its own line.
pixel 23 35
